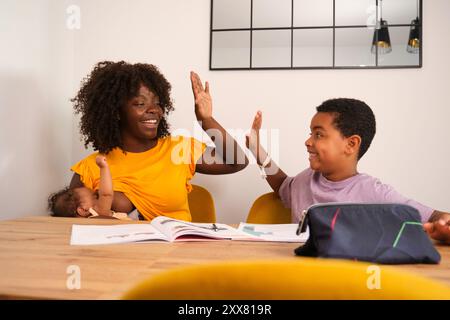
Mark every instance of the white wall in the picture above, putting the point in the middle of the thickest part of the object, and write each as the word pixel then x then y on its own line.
pixel 35 116
pixel 410 150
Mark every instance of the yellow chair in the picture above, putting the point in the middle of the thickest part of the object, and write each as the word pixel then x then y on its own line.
pixel 267 209
pixel 201 205
pixel 305 278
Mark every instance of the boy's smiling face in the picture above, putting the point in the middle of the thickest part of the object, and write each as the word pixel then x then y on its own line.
pixel 329 151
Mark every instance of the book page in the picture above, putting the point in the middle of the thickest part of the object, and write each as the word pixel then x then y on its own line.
pixel 274 232
pixel 113 234
pixel 177 230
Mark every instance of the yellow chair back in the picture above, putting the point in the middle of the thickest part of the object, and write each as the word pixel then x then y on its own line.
pixel 268 209
pixel 201 205
pixel 302 278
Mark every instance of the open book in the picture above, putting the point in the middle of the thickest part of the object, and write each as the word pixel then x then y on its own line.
pixel 159 229
pixel 273 232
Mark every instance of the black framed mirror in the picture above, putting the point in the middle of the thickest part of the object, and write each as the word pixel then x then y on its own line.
pixel 315 34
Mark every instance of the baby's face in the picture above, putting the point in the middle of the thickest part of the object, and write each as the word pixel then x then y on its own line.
pixel 86 198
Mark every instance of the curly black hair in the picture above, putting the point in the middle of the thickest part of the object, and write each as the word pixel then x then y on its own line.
pixel 352 117
pixel 109 87
pixel 63 203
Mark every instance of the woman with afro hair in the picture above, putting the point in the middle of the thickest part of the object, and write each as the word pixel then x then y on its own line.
pixel 124 109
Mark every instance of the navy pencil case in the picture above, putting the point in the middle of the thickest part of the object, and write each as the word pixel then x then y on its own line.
pixel 381 233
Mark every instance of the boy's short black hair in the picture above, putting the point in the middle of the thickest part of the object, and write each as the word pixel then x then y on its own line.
pixel 352 117
pixel 63 203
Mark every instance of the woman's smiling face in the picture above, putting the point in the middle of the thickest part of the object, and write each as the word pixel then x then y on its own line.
pixel 141 116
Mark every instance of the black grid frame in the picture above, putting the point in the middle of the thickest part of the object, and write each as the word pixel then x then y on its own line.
pixel 292 28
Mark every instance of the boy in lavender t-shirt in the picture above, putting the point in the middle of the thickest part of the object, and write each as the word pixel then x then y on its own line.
pixel 341 133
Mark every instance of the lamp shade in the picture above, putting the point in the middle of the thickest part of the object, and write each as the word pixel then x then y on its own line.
pixel 381 39
pixel 414 37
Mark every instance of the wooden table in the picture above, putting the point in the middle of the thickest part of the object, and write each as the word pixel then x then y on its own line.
pixel 35 255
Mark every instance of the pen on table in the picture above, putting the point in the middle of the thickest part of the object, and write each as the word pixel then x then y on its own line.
pixel 214 227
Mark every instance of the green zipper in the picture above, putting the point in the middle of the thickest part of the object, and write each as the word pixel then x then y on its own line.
pixel 401 230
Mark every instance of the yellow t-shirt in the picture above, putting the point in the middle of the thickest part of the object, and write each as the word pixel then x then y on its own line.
pixel 155 181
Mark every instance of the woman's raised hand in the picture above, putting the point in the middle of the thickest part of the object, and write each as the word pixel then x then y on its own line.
pixel 203 101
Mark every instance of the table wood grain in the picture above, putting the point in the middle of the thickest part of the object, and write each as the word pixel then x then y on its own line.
pixel 35 254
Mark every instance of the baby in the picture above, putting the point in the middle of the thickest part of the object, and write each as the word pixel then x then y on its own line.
pixel 84 202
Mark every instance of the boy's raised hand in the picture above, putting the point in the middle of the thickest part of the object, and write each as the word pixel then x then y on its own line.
pixel 439 230
pixel 252 139
pixel 203 100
